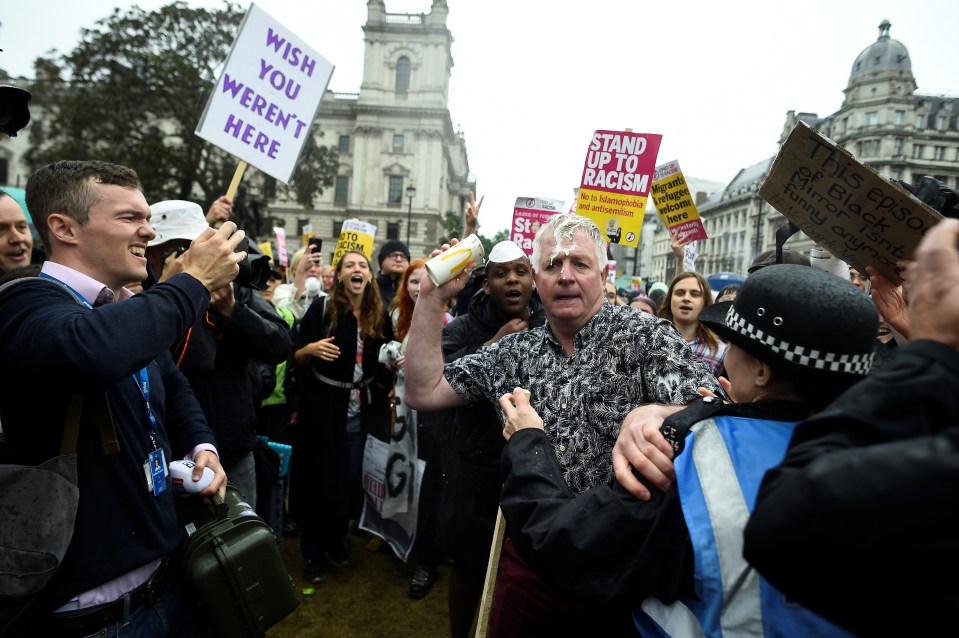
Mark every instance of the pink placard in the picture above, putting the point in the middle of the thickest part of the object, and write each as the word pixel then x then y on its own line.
pixel 529 213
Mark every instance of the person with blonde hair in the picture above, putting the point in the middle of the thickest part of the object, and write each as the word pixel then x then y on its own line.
pixel 300 293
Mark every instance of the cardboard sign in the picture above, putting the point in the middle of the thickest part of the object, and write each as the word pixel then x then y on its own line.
pixel 529 213
pixel 355 235
pixel 844 205
pixel 616 179
pixel 266 98
pixel 675 204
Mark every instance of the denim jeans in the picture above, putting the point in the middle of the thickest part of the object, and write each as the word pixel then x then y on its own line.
pixel 242 474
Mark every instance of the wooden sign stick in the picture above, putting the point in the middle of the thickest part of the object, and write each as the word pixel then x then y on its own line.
pixel 489 587
pixel 237 176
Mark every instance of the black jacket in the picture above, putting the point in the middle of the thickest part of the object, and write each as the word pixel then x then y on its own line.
pixel 470 492
pixel 215 357
pixel 605 543
pixel 859 521
pixel 321 490
pixel 387 286
pixel 57 347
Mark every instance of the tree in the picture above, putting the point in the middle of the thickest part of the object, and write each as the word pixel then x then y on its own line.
pixel 132 92
pixel 315 170
pixel 453 227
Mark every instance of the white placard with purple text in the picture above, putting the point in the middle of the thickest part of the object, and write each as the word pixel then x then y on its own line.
pixel 266 98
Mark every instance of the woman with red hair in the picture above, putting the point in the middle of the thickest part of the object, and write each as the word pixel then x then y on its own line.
pixel 427 427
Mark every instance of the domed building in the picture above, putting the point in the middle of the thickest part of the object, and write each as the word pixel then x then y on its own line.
pixel 884 120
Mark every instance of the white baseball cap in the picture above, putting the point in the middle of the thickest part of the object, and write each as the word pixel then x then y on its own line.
pixel 505 251
pixel 176 219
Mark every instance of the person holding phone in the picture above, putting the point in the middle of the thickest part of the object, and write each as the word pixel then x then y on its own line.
pixel 307 264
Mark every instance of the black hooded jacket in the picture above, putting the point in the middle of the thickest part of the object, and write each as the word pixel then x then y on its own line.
pixel 471 485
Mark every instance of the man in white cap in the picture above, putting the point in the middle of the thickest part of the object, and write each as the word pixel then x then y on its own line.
pixel 587 369
pixel 504 305
pixel 238 327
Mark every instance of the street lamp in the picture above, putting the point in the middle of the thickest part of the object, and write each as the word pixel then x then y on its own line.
pixel 410 191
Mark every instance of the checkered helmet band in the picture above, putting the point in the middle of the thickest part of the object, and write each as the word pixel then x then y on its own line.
pixel 798 354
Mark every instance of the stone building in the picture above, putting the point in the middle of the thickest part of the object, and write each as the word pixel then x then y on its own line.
pixel 884 120
pixel 402 165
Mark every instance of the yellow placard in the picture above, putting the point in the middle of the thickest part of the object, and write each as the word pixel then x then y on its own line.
pixel 266 248
pixel 674 203
pixel 355 235
pixel 620 217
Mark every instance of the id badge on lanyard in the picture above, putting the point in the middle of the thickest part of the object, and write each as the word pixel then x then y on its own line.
pixel 155 468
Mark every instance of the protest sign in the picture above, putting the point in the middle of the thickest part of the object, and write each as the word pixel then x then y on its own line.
pixel 308 234
pixel 611 271
pixel 844 205
pixel 529 213
pixel 615 185
pixel 267 249
pixel 266 98
pixel 675 204
pixel 280 235
pixel 636 283
pixel 399 530
pixel 354 235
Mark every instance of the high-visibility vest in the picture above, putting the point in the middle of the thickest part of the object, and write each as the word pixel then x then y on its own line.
pixel 718 477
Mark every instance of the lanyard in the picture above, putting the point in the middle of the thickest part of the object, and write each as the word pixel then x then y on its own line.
pixel 143 383
pixel 79 297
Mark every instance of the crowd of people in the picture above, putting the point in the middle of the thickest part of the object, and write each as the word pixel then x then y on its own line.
pixel 666 464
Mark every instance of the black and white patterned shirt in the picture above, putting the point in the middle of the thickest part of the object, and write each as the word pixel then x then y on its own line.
pixel 621 359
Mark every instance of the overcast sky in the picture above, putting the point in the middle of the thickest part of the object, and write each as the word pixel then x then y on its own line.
pixel 532 79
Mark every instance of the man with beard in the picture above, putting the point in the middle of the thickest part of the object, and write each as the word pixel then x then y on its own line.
pixel 505 305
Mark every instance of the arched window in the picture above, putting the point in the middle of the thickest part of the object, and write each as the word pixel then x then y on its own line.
pixel 403 75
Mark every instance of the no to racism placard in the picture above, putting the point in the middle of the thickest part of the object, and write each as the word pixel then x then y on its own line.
pixel 264 102
pixel 354 235
pixel 674 203
pixel 529 213
pixel 844 205
pixel 616 179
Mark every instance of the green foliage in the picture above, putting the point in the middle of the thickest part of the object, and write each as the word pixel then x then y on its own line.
pixel 315 170
pixel 132 92
pixel 453 227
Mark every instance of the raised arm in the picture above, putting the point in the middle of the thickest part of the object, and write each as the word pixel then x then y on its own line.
pixel 426 387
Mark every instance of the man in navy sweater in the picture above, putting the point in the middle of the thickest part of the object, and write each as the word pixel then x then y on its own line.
pixel 95 224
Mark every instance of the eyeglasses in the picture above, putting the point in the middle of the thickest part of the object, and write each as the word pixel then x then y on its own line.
pixel 397 255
